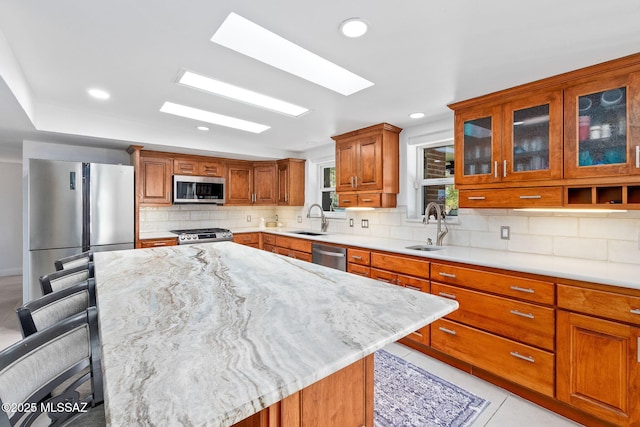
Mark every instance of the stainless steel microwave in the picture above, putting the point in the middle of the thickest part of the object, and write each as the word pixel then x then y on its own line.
pixel 198 189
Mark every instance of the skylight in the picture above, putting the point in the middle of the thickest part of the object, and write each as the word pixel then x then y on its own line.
pixel 214 118
pixel 248 38
pixel 239 94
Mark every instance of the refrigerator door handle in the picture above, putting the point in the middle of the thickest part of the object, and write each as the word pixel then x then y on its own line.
pixel 72 180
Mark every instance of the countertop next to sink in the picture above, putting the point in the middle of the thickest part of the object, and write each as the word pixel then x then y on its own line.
pixel 603 272
pixel 208 334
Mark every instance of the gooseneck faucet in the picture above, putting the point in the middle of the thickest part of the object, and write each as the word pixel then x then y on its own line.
pixel 440 218
pixel 324 224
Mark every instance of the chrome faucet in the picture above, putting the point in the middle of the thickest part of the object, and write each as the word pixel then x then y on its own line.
pixel 324 224
pixel 440 218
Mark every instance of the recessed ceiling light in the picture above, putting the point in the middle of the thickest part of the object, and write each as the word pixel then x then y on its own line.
pixel 239 94
pixel 214 118
pixel 203 128
pixel 416 115
pixel 99 93
pixel 353 27
pixel 248 38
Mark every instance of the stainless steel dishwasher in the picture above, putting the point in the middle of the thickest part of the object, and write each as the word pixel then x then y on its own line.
pixel 329 256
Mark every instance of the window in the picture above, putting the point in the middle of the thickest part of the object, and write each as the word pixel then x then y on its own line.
pixel 328 187
pixel 435 177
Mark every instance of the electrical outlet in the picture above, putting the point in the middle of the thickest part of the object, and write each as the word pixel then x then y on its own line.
pixel 351 222
pixel 365 223
pixel 299 219
pixel 248 218
pixel 505 232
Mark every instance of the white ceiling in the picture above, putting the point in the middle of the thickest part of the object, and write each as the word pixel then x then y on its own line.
pixel 420 54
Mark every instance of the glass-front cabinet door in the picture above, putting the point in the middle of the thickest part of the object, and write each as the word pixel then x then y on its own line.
pixel 477 160
pixel 532 138
pixel 597 129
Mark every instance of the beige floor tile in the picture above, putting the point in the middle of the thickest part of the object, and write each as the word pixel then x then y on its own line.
pixel 516 411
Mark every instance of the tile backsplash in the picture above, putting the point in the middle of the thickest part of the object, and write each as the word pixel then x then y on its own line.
pixel 597 236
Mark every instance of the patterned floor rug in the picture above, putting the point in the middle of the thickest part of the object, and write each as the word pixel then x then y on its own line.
pixel 408 396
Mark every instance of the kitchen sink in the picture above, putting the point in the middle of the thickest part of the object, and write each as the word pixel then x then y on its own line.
pixel 425 247
pixel 307 233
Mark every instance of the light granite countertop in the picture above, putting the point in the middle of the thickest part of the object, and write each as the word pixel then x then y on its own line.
pixel 208 334
pixel 603 272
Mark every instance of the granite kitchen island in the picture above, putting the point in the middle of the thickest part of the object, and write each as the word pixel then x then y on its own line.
pixel 210 334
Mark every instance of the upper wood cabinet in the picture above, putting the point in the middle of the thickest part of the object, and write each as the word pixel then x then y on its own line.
pixel 154 186
pixel 599 140
pixel 193 166
pixel 265 183
pixel 239 185
pixel 577 131
pixel 251 183
pixel 517 141
pixel 291 182
pixel 367 161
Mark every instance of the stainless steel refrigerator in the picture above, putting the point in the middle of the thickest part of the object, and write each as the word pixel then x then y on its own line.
pixel 74 207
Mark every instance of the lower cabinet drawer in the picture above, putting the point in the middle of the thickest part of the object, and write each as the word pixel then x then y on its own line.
pixel 360 270
pixel 154 243
pixel 294 254
pixel 247 238
pixel 518 320
pixel 421 336
pixel 269 248
pixel 522 364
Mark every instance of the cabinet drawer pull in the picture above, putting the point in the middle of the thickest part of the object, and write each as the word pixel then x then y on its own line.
pixel 159 243
pixel 367 200
pixel 356 257
pixel 519 289
pixel 476 198
pixel 635 311
pixel 519 313
pixel 446 295
pixel 495 169
pixel 343 201
pixel 447 331
pixel 531 197
pixel 415 288
pixel 443 274
pixel 519 356
pixel 385 280
pixel 504 169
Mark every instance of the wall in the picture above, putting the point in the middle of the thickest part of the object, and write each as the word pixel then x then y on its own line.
pixel 10 218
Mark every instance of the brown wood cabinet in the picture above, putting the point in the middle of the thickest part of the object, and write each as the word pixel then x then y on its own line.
pixel 251 183
pixel 548 197
pixel 359 261
pixel 343 399
pixel 200 166
pixel 408 272
pixel 367 161
pixel 576 132
pixel 288 246
pixel 247 239
pixel 239 185
pixel 494 329
pixel 605 144
pixel 154 181
pixel 291 182
pixel 155 243
pixel 519 140
pixel 598 352
pixel 265 183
